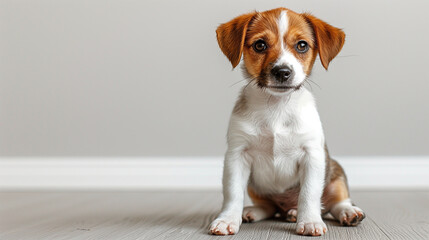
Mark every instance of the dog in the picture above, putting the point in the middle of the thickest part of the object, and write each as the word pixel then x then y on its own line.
pixel 276 144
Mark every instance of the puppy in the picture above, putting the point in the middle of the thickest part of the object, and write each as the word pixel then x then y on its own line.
pixel 276 145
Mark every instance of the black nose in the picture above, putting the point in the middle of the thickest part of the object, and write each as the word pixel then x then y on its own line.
pixel 282 73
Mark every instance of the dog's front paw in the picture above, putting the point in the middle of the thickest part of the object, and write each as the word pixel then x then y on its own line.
pixel 311 228
pixel 225 226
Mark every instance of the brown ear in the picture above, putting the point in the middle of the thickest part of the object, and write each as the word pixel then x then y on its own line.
pixel 231 36
pixel 329 39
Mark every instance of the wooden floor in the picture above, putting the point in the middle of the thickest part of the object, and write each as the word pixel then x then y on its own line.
pixel 186 215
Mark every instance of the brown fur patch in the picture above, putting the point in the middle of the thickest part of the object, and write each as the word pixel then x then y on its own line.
pixel 336 189
pixel 329 39
pixel 335 192
pixel 259 200
pixel 230 37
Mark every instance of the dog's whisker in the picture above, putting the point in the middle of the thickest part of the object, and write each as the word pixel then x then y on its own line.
pixel 309 79
pixel 238 82
pixel 309 85
pixel 250 81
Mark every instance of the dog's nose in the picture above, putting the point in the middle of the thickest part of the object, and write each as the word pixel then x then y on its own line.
pixel 282 73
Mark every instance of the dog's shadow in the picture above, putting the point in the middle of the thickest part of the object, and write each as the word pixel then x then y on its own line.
pixel 165 225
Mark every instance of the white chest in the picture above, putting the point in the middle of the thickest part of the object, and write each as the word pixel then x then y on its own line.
pixel 274 155
pixel 275 136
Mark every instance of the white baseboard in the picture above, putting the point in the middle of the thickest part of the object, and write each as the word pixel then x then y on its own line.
pixel 186 173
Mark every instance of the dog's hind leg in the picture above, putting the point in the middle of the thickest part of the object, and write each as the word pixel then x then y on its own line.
pixel 263 208
pixel 336 199
pixel 346 213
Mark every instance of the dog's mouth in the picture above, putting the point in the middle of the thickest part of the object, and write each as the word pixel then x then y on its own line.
pixel 283 88
pixel 280 87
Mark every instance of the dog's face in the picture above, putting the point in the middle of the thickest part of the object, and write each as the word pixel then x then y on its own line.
pixel 279 46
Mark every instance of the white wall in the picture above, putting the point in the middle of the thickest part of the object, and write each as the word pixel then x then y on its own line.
pixel 146 78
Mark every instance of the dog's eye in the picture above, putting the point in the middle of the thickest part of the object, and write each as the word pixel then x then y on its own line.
pixel 301 46
pixel 259 46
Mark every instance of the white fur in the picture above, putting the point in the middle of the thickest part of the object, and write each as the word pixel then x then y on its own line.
pixel 277 143
pixel 283 25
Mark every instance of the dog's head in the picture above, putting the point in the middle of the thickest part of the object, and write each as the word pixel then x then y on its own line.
pixel 279 46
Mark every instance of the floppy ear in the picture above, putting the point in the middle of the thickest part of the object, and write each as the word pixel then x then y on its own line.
pixel 231 36
pixel 329 39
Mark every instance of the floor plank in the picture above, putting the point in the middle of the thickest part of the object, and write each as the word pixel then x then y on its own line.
pixel 186 215
pixel 400 215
